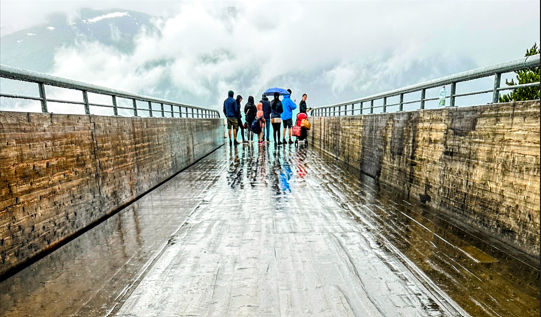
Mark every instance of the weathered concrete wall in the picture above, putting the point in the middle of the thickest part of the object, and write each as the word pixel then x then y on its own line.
pixel 60 173
pixel 479 165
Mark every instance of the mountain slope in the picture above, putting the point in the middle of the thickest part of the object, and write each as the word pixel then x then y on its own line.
pixel 34 48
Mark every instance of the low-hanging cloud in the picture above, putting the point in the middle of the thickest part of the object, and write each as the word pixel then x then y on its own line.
pixel 334 51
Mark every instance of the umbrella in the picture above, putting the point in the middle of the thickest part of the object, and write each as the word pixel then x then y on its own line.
pixel 271 91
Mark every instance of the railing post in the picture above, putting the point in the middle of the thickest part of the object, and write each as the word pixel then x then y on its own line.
pixel 134 107
pixel 453 93
pixel 180 111
pixel 115 107
pixel 384 104
pixel 353 109
pixel 43 97
pixel 423 93
pixel 163 111
pixel 150 108
pixel 85 100
pixel 193 114
pixel 361 108
pixel 496 92
pixel 172 111
pixel 371 106
pixel 401 106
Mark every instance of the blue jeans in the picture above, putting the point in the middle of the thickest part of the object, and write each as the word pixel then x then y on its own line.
pixel 266 135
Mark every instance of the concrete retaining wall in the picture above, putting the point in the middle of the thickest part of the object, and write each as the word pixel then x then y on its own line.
pixel 60 173
pixel 479 165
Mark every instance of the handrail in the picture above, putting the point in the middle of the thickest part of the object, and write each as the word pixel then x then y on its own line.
pixel 496 70
pixel 50 80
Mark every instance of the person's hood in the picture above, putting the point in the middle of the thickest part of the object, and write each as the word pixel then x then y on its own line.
pixel 286 96
pixel 231 93
pixel 265 97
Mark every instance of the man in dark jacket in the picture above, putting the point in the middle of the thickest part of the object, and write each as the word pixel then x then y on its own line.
pixel 231 113
pixel 302 105
pixel 267 112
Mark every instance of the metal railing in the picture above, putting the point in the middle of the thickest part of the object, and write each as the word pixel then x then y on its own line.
pixel 171 108
pixel 350 108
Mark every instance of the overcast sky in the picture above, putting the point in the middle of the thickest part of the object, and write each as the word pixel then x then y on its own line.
pixel 352 47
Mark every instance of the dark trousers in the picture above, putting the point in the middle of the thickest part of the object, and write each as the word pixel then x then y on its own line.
pixel 276 131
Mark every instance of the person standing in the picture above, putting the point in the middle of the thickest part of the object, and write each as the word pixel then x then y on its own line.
pixel 250 111
pixel 288 105
pixel 267 111
pixel 230 112
pixel 260 116
pixel 302 104
pixel 276 118
pixel 239 118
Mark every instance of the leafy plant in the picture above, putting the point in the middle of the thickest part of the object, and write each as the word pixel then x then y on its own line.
pixel 525 76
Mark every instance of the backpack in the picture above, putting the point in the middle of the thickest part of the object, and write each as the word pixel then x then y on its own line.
pixel 256 126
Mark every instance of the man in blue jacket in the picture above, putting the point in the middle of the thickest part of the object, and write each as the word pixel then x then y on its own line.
pixel 287 115
pixel 231 113
pixel 267 115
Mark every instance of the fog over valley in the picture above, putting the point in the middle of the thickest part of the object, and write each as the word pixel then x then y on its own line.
pixel 194 52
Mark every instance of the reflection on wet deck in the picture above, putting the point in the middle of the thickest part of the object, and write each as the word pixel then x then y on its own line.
pixel 286 232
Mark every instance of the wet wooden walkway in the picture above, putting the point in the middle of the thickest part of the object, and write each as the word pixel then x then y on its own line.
pixel 252 231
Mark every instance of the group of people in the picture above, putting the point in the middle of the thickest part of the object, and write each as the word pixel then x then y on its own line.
pixel 264 114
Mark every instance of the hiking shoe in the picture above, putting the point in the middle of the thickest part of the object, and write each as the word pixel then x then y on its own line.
pixel 236 143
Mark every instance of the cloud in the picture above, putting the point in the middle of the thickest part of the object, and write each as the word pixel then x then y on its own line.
pixel 334 51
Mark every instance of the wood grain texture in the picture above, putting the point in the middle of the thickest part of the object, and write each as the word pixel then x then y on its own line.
pixel 60 173
pixel 478 165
